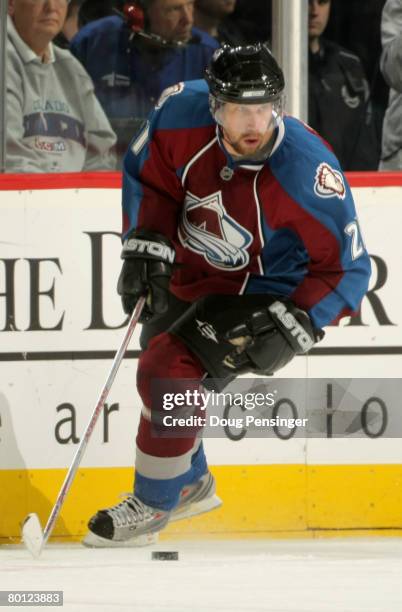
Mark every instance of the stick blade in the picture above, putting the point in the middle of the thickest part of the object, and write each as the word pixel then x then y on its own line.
pixel 32 534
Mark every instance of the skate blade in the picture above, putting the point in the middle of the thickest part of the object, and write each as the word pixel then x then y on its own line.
pixel 32 535
pixel 92 540
pixel 205 505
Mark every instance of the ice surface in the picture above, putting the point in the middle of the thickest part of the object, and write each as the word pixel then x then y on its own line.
pixel 342 575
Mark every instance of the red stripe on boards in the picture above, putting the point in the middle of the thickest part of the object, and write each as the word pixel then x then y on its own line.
pixel 72 180
pixel 113 180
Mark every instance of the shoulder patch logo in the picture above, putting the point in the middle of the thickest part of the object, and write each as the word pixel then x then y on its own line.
pixel 329 183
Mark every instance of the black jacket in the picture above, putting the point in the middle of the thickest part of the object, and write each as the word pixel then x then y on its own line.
pixel 340 108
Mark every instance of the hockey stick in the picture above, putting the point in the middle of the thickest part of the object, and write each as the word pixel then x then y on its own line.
pixel 32 535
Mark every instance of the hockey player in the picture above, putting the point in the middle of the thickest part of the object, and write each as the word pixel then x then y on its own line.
pixel 240 227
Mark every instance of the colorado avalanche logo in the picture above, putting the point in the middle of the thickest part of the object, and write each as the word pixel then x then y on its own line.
pixel 207 229
pixel 329 183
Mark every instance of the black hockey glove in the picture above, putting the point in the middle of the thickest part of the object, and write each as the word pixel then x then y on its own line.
pixel 270 337
pixel 147 269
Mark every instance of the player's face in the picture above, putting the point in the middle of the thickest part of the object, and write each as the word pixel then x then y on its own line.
pixel 246 127
pixel 318 15
pixel 172 19
pixel 38 21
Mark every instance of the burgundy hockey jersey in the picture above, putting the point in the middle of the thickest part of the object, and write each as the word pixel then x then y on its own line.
pixel 286 226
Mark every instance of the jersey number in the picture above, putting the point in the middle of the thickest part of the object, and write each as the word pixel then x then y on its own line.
pixel 357 245
pixel 142 138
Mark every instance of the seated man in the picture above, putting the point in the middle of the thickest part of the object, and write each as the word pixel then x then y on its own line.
pixel 54 121
pixel 133 59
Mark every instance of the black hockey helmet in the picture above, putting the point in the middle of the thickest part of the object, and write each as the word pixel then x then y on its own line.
pixel 245 75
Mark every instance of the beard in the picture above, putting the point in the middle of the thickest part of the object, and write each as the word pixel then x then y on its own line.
pixel 258 152
pixel 247 144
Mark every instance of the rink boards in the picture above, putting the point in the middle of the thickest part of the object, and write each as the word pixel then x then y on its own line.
pixel 60 321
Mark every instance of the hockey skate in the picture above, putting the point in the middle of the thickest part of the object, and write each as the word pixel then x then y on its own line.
pixel 131 523
pixel 197 498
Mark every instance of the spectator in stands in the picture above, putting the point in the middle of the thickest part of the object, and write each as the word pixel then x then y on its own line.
pixel 339 98
pixel 365 42
pixel 391 66
pixel 54 121
pixel 211 16
pixel 133 58
pixel 70 26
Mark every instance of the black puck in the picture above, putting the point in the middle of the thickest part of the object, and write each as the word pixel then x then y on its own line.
pixel 165 555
